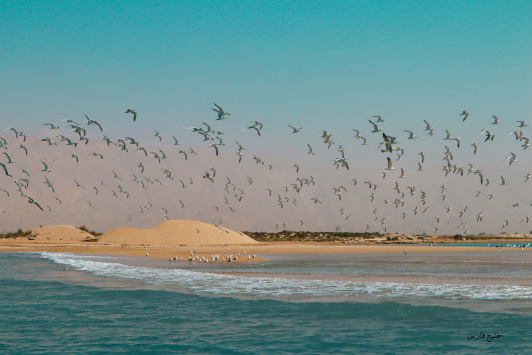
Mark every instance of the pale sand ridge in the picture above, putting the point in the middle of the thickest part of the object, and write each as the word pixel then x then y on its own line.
pixel 60 233
pixel 176 232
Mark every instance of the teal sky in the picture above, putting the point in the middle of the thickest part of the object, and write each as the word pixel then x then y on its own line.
pixel 308 63
pixel 317 65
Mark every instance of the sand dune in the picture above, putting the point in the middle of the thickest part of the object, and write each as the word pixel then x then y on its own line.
pixel 176 232
pixel 60 233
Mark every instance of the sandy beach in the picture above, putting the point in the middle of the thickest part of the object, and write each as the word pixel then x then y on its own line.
pixel 179 238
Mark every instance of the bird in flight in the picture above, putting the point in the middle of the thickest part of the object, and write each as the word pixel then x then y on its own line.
pixel 133 112
pixel 465 113
pixel 221 113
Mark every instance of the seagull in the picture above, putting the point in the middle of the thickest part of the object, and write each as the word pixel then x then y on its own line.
pixel 511 158
pixel 25 149
pixel 295 130
pixel 389 167
pixel 495 120
pixel 9 160
pixel 388 141
pixel 5 169
pixel 465 114
pixel 208 176
pixel 215 146
pixel 375 127
pixel 221 113
pixel 474 145
pixel 253 127
pixel 45 167
pixel 341 162
pixel 411 134
pixel 184 153
pixel 93 122
pixel 489 135
pixel 52 126
pixel 30 200
pixel 133 112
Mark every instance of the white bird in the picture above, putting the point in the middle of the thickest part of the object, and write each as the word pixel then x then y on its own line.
pixel 411 134
pixel 375 127
pixel 511 158
pixel 295 130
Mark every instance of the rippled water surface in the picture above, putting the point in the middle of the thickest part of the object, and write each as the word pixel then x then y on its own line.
pixel 58 302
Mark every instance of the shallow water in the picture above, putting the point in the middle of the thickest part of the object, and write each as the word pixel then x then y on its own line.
pixel 57 302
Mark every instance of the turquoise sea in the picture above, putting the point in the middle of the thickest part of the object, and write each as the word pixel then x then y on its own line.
pixel 420 303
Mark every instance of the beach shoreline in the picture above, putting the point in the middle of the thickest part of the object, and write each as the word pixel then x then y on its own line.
pixel 182 239
pixel 184 251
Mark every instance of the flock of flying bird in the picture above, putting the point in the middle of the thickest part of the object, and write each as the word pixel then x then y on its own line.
pixel 382 197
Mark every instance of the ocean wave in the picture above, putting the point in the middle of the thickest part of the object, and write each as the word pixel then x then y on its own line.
pixel 208 283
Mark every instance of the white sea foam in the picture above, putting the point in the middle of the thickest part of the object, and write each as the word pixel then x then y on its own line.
pixel 230 285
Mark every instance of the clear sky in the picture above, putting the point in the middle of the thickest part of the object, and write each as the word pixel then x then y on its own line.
pixel 305 62
pixel 320 65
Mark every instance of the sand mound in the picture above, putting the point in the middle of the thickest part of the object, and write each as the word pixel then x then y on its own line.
pixel 60 233
pixel 176 233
